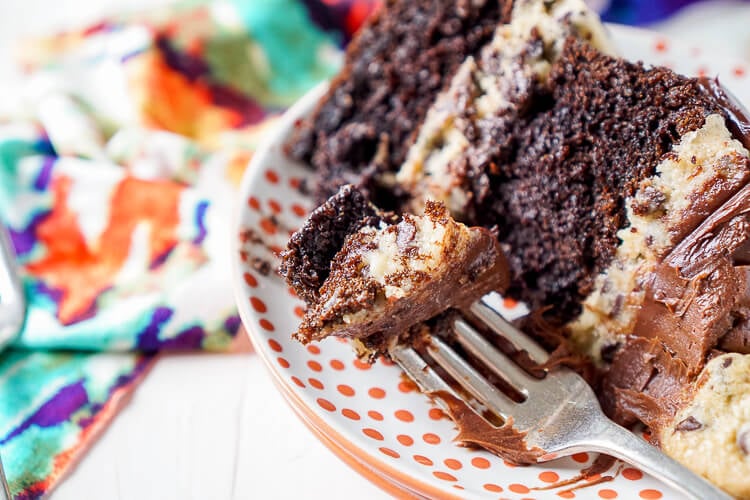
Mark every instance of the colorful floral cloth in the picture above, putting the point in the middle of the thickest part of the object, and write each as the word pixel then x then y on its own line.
pixel 120 153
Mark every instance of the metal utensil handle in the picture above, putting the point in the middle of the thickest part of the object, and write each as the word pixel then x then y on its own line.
pixel 4 489
pixel 12 299
pixel 621 443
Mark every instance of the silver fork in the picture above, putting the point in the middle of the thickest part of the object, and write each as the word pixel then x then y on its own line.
pixel 560 414
pixel 12 299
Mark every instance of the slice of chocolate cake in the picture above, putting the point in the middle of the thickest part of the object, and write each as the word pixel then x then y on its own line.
pixel 387 274
pixel 394 68
pixel 619 193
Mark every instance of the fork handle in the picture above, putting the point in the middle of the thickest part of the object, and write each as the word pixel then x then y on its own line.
pixel 12 300
pixel 609 438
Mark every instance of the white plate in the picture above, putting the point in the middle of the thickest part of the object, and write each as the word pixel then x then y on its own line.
pixel 370 415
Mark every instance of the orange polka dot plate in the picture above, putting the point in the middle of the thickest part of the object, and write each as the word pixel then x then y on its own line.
pixel 371 416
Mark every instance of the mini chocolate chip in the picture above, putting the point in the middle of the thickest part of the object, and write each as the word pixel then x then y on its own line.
pixel 689 424
pixel 743 439
pixel 727 361
pixel 648 200
pixel 304 187
pixel 608 352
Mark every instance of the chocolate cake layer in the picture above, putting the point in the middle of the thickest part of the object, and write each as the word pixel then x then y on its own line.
pixel 394 69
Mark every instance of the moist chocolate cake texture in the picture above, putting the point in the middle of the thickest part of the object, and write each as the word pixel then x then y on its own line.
pixel 619 193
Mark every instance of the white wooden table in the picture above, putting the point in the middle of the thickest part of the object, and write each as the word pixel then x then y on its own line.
pixel 210 427
pixel 214 426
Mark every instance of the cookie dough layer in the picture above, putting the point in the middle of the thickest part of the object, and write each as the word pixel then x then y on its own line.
pixel 711 435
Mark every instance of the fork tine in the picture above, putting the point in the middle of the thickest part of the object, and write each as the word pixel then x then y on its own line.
pixel 492 358
pixel 501 326
pixel 414 366
pixel 470 379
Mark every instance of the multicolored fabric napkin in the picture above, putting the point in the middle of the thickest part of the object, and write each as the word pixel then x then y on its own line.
pixel 120 153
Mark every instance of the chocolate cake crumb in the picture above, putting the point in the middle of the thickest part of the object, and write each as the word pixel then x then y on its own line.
pixel 689 424
pixel 303 187
pixel 250 236
pixel 261 265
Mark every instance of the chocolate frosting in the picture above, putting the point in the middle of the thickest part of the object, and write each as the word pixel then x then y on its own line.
pixel 645 382
pixel 590 476
pixel 696 298
pixel 738 338
pixel 692 296
pixel 738 119
pixel 505 441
